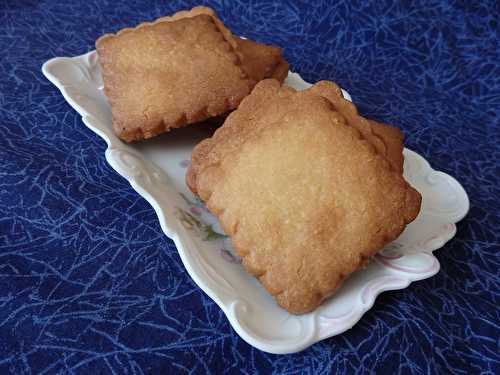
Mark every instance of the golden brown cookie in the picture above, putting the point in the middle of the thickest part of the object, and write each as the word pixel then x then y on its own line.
pixel 261 61
pixel 393 139
pixel 386 139
pixel 258 60
pixel 202 10
pixel 165 75
pixel 281 71
pixel 304 196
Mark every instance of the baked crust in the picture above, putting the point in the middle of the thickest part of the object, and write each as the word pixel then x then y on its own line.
pixel 306 196
pixel 258 60
pixel 166 75
pixel 180 70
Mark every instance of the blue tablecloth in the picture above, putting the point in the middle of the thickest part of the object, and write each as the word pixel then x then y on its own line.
pixel 90 284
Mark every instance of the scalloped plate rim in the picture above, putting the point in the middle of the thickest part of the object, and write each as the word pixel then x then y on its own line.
pixel 172 229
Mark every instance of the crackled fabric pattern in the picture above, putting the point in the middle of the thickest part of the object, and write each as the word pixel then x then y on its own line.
pixel 90 284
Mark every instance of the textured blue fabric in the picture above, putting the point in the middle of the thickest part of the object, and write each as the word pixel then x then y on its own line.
pixel 90 284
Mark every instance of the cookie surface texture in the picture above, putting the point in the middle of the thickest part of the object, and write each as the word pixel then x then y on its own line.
pixel 258 60
pixel 165 75
pixel 304 196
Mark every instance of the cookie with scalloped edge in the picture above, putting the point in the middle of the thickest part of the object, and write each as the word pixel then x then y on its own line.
pixel 388 140
pixel 305 198
pixel 262 61
pixel 259 60
pixel 393 139
pixel 163 75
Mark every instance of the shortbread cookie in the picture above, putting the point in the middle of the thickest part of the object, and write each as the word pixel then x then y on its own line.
pixel 261 61
pixel 258 60
pixel 305 198
pixel 393 139
pixel 387 140
pixel 168 74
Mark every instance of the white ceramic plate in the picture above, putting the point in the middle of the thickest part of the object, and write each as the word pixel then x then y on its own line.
pixel 156 169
